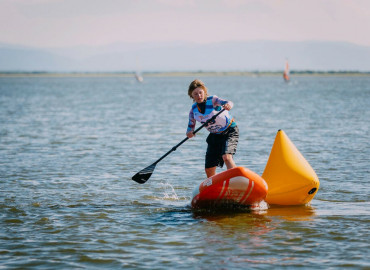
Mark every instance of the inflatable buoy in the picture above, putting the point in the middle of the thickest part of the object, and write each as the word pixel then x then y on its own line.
pixel 290 178
pixel 238 186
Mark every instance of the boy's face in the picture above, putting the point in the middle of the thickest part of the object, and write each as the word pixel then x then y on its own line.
pixel 198 95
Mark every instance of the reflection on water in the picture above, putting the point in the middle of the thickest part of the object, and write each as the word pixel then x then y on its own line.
pixel 292 213
pixel 244 217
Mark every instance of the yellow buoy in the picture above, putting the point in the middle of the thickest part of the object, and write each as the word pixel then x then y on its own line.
pixel 290 178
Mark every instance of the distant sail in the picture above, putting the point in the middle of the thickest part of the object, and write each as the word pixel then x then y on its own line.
pixel 286 72
pixel 139 77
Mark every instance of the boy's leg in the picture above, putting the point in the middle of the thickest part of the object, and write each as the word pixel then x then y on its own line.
pixel 210 171
pixel 229 161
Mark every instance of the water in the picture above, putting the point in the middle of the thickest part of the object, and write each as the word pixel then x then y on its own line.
pixel 69 147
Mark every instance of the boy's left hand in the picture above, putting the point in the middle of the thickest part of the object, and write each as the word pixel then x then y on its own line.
pixel 227 107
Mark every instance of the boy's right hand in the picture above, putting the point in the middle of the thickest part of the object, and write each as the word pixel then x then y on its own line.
pixel 190 134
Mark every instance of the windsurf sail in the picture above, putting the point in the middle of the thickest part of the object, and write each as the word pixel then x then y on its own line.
pixel 139 77
pixel 286 72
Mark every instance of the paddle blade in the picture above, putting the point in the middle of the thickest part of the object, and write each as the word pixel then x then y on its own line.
pixel 143 176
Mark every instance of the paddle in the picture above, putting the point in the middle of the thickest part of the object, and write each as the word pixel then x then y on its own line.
pixel 143 176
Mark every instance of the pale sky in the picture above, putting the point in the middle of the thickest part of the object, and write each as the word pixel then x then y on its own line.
pixel 64 23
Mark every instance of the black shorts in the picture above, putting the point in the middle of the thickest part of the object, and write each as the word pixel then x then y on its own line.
pixel 220 144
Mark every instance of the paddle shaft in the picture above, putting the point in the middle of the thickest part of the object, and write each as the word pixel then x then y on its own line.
pixel 143 176
pixel 187 138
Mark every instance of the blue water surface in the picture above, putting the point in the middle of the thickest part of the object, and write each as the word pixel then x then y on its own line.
pixel 70 145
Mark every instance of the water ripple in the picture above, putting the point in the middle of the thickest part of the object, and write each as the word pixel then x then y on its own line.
pixel 69 147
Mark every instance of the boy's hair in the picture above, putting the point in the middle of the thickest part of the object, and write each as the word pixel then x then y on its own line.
pixel 194 85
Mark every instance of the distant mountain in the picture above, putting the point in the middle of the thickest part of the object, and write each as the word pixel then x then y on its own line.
pixel 224 56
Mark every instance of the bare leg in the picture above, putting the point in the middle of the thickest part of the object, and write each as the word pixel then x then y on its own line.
pixel 210 171
pixel 229 161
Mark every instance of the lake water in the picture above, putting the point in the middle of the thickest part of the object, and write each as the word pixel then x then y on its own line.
pixel 70 145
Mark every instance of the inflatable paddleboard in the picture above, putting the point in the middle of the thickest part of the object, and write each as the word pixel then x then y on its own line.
pixel 290 178
pixel 234 187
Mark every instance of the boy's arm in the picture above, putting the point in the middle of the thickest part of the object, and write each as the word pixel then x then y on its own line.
pixel 216 101
pixel 191 124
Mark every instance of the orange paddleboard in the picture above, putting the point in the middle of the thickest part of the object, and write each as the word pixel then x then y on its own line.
pixel 235 187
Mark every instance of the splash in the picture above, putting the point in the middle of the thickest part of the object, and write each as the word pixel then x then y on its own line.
pixel 260 207
pixel 169 192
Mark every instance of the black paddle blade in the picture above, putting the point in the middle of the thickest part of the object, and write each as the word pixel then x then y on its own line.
pixel 143 176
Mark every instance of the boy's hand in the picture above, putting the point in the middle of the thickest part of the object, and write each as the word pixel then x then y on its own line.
pixel 190 134
pixel 227 107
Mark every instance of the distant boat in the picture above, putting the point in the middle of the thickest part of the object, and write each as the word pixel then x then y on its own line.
pixel 139 77
pixel 286 72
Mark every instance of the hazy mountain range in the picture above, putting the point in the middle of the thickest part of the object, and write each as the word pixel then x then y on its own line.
pixel 180 56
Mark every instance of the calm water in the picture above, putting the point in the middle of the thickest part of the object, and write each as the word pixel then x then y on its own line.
pixel 69 147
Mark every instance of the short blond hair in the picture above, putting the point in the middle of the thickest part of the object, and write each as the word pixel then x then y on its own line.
pixel 194 85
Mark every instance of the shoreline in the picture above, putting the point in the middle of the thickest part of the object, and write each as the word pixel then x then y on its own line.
pixel 182 73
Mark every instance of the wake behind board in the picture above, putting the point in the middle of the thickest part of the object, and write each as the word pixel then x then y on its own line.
pixel 235 187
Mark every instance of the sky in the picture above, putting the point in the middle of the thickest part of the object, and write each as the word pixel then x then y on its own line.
pixel 69 23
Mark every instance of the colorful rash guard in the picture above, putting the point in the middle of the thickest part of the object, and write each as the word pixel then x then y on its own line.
pixel 212 106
